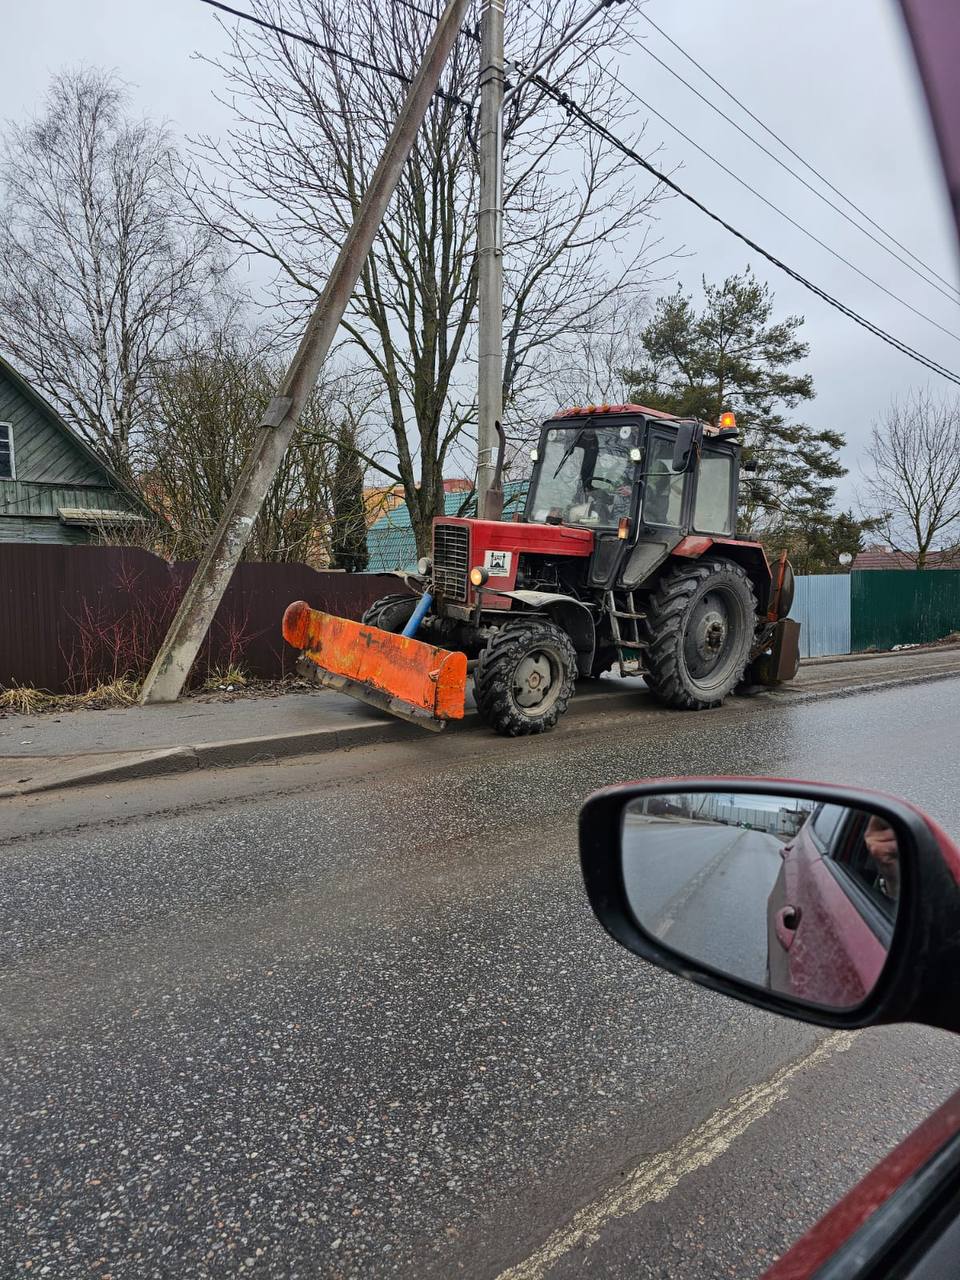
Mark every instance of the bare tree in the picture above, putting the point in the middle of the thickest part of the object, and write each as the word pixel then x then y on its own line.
pixel 100 272
pixel 207 403
pixel 912 481
pixel 311 126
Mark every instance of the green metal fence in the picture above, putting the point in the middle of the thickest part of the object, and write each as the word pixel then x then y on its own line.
pixel 903 606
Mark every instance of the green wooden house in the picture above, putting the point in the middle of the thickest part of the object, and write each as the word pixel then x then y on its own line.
pixel 53 487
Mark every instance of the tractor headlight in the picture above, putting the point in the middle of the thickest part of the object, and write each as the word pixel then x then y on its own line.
pixel 424 565
pixel 478 575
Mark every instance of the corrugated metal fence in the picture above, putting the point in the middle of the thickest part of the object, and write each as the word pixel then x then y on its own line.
pixel 72 616
pixel 822 607
pixel 903 606
pixel 875 609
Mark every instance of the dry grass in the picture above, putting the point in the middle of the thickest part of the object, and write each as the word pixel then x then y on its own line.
pixel 24 700
pixel 27 701
pixel 118 693
pixel 221 678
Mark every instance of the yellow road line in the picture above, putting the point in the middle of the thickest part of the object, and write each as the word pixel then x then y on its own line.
pixel 656 1177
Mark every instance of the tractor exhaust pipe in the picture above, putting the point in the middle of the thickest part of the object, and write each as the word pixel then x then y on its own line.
pixel 490 504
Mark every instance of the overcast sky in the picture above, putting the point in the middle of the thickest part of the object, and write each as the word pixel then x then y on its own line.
pixel 835 78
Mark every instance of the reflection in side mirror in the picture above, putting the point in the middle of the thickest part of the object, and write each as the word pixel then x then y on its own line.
pixel 794 895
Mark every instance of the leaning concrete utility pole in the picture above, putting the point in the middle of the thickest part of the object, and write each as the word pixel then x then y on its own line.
pixel 167 676
pixel 490 259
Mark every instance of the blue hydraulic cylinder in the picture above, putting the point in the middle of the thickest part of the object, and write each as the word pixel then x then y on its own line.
pixel 418 615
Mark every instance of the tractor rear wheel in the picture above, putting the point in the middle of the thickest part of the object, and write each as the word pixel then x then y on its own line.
pixel 390 613
pixel 700 626
pixel 525 677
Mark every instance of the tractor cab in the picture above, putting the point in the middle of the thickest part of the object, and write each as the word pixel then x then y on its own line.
pixel 598 468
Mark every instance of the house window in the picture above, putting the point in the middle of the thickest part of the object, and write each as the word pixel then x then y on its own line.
pixel 6 451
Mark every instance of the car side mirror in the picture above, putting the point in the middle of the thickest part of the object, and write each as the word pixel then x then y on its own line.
pixel 686 446
pixel 828 904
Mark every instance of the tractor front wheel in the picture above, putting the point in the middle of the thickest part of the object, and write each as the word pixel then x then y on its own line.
pixel 525 678
pixel 390 613
pixel 700 626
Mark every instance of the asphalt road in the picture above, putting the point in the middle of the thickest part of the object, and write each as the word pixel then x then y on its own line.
pixel 351 1016
pixel 703 889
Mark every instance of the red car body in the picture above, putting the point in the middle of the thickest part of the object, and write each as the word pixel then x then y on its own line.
pixel 825 943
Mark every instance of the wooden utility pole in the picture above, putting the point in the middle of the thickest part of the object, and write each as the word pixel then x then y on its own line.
pixel 167 676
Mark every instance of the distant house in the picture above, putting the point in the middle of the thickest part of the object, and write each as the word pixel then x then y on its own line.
pixel 886 558
pixel 380 500
pixel 390 542
pixel 53 487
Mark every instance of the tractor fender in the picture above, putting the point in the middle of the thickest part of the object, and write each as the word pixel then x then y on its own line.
pixel 749 555
pixel 569 614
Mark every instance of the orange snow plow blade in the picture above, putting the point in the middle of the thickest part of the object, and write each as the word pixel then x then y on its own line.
pixel 406 677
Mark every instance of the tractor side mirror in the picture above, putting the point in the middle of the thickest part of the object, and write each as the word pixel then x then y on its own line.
pixel 748 464
pixel 686 447
pixel 828 904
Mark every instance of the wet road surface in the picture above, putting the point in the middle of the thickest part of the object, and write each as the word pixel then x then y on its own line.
pixel 703 889
pixel 352 1017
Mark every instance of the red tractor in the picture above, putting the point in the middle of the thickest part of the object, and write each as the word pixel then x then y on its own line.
pixel 626 555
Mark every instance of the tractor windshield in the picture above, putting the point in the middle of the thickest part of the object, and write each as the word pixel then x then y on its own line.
pixel 586 475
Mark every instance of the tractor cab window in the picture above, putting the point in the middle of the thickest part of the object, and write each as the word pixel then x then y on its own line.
pixel 663 487
pixel 713 510
pixel 586 476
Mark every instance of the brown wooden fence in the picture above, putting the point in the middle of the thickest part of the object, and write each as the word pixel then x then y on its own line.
pixel 73 616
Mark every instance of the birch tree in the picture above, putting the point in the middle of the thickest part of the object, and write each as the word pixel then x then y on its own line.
pixel 101 271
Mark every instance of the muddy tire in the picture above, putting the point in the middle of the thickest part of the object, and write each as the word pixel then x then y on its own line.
pixel 390 613
pixel 700 626
pixel 525 678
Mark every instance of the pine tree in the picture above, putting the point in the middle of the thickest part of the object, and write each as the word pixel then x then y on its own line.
pixel 348 540
pixel 732 354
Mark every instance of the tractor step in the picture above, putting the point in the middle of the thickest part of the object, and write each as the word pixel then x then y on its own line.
pixel 630 666
pixel 631 641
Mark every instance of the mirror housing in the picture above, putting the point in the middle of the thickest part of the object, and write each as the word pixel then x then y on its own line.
pixel 918 981
pixel 687 446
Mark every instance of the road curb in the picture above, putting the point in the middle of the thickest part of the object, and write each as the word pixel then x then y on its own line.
pixel 265 749
pixel 142 764
pixel 165 761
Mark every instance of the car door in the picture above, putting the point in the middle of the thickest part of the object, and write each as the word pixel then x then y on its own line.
pixel 825 934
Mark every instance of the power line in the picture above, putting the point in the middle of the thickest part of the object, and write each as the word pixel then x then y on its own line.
pixel 787 147
pixel 331 50
pixel 771 204
pixel 783 214
pixel 564 100
pixel 801 179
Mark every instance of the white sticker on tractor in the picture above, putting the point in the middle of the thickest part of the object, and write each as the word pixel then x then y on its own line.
pixel 497 563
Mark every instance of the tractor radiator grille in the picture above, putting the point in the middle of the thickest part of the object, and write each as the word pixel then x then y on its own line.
pixel 451 557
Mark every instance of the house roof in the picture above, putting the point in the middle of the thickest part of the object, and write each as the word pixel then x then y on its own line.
pixel 887 558
pixel 94 516
pixel 33 395
pixel 391 543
